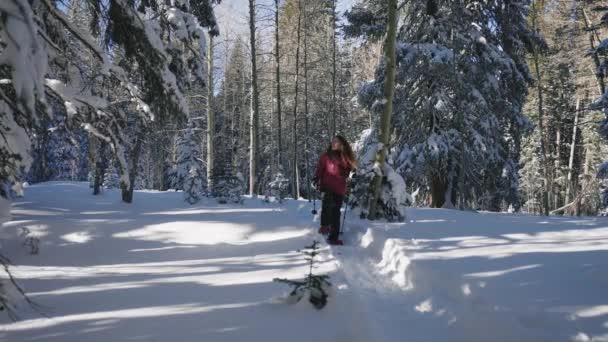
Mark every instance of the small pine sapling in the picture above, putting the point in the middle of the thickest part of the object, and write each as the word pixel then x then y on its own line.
pixel 10 290
pixel 30 241
pixel 315 287
pixel 393 197
pixel 228 187
pixel 279 187
pixel 111 178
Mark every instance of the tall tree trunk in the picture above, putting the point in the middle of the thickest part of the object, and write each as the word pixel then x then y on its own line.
pixel 127 191
pixel 438 191
pixel 461 164
pixel 254 144
pixel 541 125
pixel 333 74
pixel 569 184
pixel 586 179
pixel 210 116
pixel 541 114
pixel 557 162
pixel 389 90
pixel 162 163
pixel 98 162
pixel 277 57
pixel 295 176
pixel 306 123
pixel 596 59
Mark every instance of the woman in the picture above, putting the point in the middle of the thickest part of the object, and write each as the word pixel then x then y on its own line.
pixel 330 177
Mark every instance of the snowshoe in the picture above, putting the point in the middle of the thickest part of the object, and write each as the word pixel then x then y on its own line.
pixel 324 230
pixel 336 242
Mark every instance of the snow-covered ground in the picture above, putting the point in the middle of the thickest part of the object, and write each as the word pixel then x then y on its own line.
pixel 159 269
pixel 459 276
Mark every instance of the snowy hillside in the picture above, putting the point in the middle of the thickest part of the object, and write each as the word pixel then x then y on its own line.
pixel 160 270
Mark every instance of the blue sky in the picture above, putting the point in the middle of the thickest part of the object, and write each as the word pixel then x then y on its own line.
pixel 232 19
pixel 232 14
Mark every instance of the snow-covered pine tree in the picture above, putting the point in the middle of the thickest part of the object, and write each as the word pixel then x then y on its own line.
pixel 393 197
pixel 23 61
pixel 278 187
pixel 234 98
pixel 157 50
pixel 560 103
pixel 457 116
pixel 228 185
pixel 589 200
pixel 111 178
pixel 599 52
pixel 152 51
pixel 189 171
pixel 530 184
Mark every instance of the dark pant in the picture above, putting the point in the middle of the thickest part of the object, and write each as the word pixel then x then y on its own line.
pixel 330 213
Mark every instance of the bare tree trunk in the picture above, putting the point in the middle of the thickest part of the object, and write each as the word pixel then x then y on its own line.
pixel 569 184
pixel 306 123
pixel 596 59
pixel 557 162
pixel 461 164
pixel 438 190
pixel 389 90
pixel 254 144
pixel 127 192
pixel 587 179
pixel 296 179
pixel 541 125
pixel 278 84
pixel 162 166
pixel 210 116
pixel 98 161
pixel 541 114
pixel 333 74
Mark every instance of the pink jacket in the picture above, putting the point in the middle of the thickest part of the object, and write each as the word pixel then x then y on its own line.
pixel 332 173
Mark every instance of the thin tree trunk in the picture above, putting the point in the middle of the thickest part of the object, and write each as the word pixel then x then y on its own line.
pixel 254 144
pixel 389 89
pixel 98 162
pixel 461 125
pixel 541 114
pixel 210 116
pixel 557 162
pixel 569 184
pixel 162 166
pixel 295 178
pixel 541 125
pixel 596 59
pixel 587 179
pixel 306 123
pixel 333 74
pixel 277 57
pixel 127 192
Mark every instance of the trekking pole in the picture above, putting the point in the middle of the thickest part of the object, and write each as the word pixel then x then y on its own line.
pixel 314 202
pixel 344 217
pixel 351 177
pixel 345 207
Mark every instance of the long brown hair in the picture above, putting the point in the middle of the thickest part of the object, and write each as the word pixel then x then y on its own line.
pixel 346 154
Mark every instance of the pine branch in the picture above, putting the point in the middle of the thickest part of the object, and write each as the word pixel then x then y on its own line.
pixel 4 303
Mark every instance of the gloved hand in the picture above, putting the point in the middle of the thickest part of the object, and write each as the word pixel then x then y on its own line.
pixel 315 183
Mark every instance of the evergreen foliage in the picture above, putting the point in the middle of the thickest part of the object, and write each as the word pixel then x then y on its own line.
pixel 228 185
pixel 458 99
pixel 313 287
pixel 111 178
pixel 393 197
pixel 279 187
